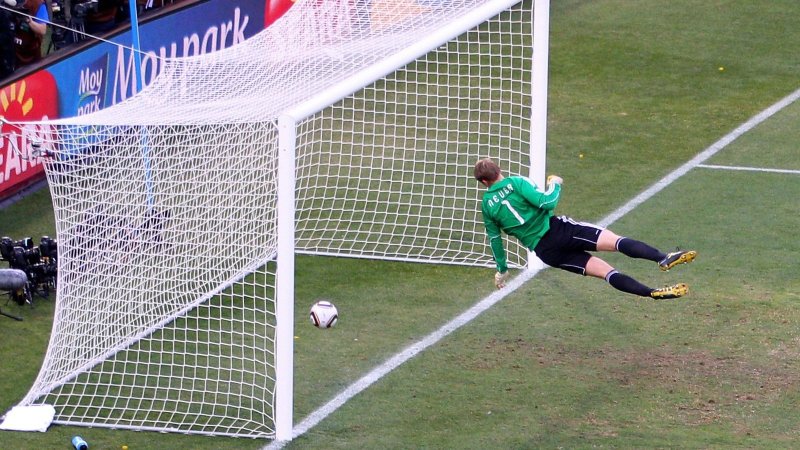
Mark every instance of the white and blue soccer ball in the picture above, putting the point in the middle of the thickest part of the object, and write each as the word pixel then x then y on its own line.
pixel 324 314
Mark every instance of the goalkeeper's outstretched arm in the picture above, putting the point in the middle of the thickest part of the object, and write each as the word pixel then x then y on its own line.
pixel 499 254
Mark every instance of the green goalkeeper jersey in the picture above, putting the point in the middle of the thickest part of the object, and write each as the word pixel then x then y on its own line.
pixel 516 206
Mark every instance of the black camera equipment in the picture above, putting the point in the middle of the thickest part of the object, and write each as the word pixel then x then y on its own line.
pixel 40 264
pixel 16 5
pixel 59 38
pixel 19 20
pixel 81 9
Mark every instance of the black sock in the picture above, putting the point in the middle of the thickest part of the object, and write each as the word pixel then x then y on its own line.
pixel 637 249
pixel 627 284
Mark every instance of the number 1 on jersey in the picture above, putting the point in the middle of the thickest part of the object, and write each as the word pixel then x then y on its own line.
pixel 513 211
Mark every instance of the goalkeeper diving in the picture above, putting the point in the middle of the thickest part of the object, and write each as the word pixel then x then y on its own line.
pixel 516 206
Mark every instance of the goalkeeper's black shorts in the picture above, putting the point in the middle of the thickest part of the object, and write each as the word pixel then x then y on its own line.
pixel 567 244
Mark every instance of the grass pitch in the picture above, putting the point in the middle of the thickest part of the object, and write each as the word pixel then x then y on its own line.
pixel 567 361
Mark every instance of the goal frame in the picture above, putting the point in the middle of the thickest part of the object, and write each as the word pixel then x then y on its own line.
pixel 287 125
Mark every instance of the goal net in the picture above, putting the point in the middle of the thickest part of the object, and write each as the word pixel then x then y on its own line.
pixel 346 128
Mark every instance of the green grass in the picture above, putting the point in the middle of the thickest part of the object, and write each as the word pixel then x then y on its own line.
pixel 567 361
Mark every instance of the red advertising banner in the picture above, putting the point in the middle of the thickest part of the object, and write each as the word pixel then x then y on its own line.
pixel 274 9
pixel 32 98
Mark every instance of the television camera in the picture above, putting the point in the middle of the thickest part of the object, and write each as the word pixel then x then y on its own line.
pixel 18 20
pixel 15 5
pixel 85 7
pixel 38 263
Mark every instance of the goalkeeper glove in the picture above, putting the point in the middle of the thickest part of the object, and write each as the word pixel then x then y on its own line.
pixel 500 279
pixel 554 179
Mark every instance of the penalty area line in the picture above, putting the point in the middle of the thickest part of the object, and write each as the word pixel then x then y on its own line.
pixel 700 158
pixel 414 349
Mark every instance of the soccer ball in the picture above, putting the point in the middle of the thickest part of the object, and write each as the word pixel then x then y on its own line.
pixel 323 314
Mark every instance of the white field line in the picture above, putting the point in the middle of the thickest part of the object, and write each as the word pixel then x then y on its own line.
pixel 414 349
pixel 700 158
pixel 749 169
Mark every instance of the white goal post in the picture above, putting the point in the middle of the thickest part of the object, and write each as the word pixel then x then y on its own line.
pixel 347 128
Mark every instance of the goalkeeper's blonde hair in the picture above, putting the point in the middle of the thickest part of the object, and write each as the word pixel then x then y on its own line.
pixel 487 171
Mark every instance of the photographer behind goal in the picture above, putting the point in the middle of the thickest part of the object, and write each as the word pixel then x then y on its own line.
pixel 29 23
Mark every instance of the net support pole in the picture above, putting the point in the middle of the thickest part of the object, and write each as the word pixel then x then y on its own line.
pixel 138 84
pixel 136 44
pixel 539 80
pixel 284 286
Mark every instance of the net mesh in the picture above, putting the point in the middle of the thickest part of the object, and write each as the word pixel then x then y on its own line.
pixel 387 172
pixel 164 319
pixel 166 203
